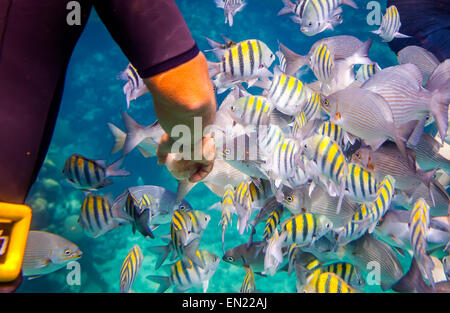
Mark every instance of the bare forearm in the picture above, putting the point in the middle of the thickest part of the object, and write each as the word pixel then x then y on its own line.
pixel 183 93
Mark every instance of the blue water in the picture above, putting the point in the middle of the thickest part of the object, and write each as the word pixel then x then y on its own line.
pixel 93 97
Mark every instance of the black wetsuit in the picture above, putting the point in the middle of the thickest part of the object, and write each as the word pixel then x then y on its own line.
pixel 36 43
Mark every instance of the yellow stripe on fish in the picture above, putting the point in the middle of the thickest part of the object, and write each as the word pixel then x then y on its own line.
pixel 130 268
pixel 305 228
pixel 360 183
pixel 327 283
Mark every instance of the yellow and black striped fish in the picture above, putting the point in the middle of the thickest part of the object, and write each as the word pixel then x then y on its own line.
pixel 96 216
pixel 328 156
pixel 367 217
pixel 366 71
pixel 227 208
pixel 288 94
pixel 184 276
pixel 347 271
pixel 135 87
pixel 419 224
pixel 361 184
pixel 322 63
pixel 246 59
pixel 248 285
pixel 312 107
pixel 130 268
pixel 285 159
pixel 252 110
pixel 268 140
pixel 88 174
pixel 273 221
pixel 333 131
pixel 305 228
pixel 300 121
pixel 390 25
pixel 327 283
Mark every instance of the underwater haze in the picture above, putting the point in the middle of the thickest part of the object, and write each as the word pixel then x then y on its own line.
pixel 93 96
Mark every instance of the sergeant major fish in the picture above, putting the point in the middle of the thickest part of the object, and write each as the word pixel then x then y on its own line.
pixel 390 25
pixel 135 87
pixel 230 8
pixel 316 16
pixel 88 174
pixel 130 268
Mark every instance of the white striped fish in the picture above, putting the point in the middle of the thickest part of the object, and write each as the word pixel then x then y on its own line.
pixel 135 87
pixel 251 110
pixel 322 63
pixel 96 216
pixel 390 25
pixel 312 107
pixel 419 224
pixel 288 94
pixel 285 159
pixel 366 71
pixel 333 131
pixel 244 61
pixel 248 285
pixel 184 277
pixel 230 8
pixel 130 268
pixel 327 282
pixel 315 16
pixel 300 121
pixel 360 184
pixel 281 61
pixel 330 161
pixel 367 217
pixel 269 138
pixel 88 174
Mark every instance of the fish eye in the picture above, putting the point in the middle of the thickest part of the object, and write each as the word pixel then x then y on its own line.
pixel 226 151
pixel 328 225
pixel 182 207
pixel 310 24
pixel 67 252
pixel 230 258
pixel 232 108
pixel 326 102
pixel 290 198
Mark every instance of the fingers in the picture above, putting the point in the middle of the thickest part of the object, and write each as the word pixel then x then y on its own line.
pixel 202 172
pixel 164 146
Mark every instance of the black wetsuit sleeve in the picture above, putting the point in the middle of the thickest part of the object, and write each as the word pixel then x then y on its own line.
pixel 152 33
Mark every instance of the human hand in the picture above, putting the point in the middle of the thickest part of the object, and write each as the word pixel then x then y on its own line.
pixel 193 170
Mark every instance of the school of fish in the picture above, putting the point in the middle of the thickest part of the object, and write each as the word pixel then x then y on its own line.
pixel 327 180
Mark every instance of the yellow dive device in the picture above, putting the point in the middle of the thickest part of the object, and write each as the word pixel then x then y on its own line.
pixel 14 226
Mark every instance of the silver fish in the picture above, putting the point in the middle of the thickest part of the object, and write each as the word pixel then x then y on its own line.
pixel 401 87
pixel 363 114
pixel 46 253
pixel 422 58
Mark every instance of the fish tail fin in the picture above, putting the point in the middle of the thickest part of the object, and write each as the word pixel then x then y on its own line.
pixel 183 188
pixel 230 19
pixel 213 68
pixel 162 252
pixel 243 218
pixel 400 35
pixel 350 3
pixel 294 61
pixel 361 56
pixel 119 137
pixel 412 281
pixel 164 282
pixel 114 169
pixel 135 133
pixel 426 266
pixel 288 8
pixel 220 3
pixel 440 100
pixel 428 179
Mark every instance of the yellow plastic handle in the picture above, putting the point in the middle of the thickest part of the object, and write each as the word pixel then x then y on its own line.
pixel 15 222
